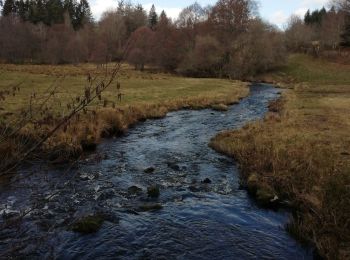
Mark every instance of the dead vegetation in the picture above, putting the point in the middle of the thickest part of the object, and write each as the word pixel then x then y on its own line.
pixel 73 113
pixel 301 152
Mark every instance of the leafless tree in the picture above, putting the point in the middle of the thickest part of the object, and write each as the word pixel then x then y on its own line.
pixel 298 35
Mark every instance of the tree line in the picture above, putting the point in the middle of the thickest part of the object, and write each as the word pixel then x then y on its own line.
pixel 49 12
pixel 227 39
pixel 322 29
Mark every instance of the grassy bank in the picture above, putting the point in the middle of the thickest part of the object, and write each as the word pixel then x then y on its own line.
pixel 301 152
pixel 144 95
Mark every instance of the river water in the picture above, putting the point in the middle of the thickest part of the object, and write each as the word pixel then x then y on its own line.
pixel 198 220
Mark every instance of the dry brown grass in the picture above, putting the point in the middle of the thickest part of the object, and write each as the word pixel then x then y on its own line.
pixel 145 95
pixel 302 151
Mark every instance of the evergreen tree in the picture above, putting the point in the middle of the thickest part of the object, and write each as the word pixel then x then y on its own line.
pixel 69 6
pixel 9 7
pixel 54 12
pixel 322 12
pixel 82 14
pixel 39 12
pixel 307 18
pixel 163 19
pixel 152 18
pixel 315 17
pixel 21 9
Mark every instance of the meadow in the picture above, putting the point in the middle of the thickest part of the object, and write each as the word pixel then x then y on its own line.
pixel 144 95
pixel 301 152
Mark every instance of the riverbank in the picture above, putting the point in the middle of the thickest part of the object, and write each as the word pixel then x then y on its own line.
pixel 301 152
pixel 157 192
pixel 143 95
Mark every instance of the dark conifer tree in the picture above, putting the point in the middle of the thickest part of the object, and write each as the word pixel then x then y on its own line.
pixel 307 18
pixel 82 14
pixel 9 7
pixel 152 18
pixel 22 9
pixel 54 12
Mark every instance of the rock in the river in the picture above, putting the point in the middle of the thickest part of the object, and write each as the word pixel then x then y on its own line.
pixel 207 181
pixel 88 176
pixel 134 190
pixel 89 224
pixel 150 207
pixel 173 166
pixel 194 189
pixel 149 170
pixel 153 192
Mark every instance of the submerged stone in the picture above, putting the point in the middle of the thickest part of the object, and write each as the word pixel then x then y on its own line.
pixel 153 192
pixel 207 181
pixel 134 190
pixel 88 224
pixel 150 207
pixel 149 170
pixel 173 166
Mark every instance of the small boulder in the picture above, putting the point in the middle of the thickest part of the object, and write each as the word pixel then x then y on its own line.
pixel 150 207
pixel 207 181
pixel 134 190
pixel 149 170
pixel 153 192
pixel 173 166
pixel 89 224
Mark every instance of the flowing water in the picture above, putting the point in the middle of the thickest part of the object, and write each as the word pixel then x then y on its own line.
pixel 198 220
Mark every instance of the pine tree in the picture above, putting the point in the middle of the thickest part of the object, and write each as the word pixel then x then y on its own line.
pixel 70 7
pixel 315 17
pixel 82 14
pixel 54 12
pixel 21 10
pixel 152 18
pixel 163 19
pixel 9 7
pixel 307 18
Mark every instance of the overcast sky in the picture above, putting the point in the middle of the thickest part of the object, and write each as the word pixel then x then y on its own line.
pixel 275 11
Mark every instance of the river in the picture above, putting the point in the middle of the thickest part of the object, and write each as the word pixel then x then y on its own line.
pixel 204 214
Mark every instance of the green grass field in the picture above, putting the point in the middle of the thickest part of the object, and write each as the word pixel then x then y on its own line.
pixel 145 95
pixel 138 88
pixel 303 68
